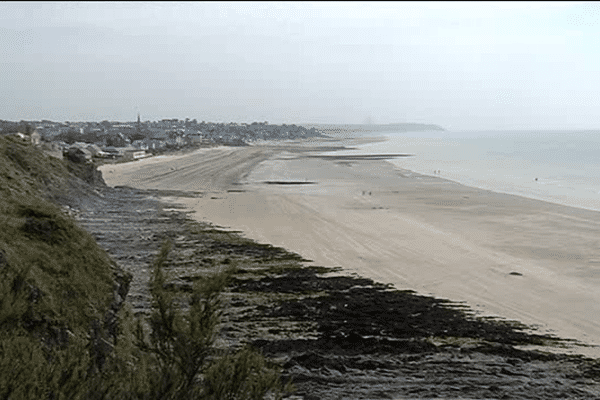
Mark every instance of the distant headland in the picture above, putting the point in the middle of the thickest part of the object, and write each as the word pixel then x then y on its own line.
pixel 358 128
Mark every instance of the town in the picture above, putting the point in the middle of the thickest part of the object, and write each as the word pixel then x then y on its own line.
pixel 121 141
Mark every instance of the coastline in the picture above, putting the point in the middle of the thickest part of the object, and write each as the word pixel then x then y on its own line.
pixel 518 188
pixel 414 231
pixel 327 330
pixel 532 196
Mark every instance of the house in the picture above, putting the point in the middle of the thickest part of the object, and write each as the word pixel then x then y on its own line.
pixel 158 133
pixel 111 151
pixel 154 144
pixel 196 137
pixel 36 138
pixel 140 144
pixel 131 153
pixel 134 154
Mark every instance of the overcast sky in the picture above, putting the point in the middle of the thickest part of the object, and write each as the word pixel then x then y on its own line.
pixel 460 65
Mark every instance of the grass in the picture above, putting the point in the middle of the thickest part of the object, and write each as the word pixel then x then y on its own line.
pixel 57 303
pixel 181 344
pixel 43 248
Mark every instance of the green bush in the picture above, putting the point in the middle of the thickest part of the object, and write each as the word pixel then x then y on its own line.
pixel 169 355
pixel 181 345
pixel 243 375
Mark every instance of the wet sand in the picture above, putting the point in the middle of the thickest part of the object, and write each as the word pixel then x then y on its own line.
pixel 504 255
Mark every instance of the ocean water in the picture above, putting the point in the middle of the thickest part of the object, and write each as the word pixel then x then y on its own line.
pixel 565 163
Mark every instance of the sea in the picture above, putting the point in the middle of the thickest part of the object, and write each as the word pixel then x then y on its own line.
pixel 557 166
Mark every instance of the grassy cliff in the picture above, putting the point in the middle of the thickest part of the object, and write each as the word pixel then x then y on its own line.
pixel 65 331
pixel 52 269
pixel 57 287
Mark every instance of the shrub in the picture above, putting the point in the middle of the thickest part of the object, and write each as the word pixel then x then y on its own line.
pixel 181 345
pixel 243 375
pixel 168 356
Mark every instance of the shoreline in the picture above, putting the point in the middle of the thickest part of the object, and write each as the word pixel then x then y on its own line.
pixel 328 331
pixel 549 198
pixel 507 192
pixel 331 222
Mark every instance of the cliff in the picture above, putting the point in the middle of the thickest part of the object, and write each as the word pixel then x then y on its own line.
pixel 57 287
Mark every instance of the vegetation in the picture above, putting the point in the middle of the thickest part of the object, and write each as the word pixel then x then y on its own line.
pixel 63 334
pixel 13 127
pixel 180 349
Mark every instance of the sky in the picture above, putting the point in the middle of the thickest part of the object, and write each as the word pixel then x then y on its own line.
pixel 461 65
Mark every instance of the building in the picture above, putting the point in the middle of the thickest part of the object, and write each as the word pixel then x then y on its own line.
pixel 36 138
pixel 134 154
pixel 140 144
pixel 111 151
pixel 154 144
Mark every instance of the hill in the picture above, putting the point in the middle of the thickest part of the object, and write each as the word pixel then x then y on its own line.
pixel 65 328
pixel 57 287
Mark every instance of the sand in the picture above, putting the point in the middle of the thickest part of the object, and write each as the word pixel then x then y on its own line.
pixel 504 255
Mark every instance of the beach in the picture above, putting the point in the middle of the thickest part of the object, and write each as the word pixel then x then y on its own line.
pixel 503 255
